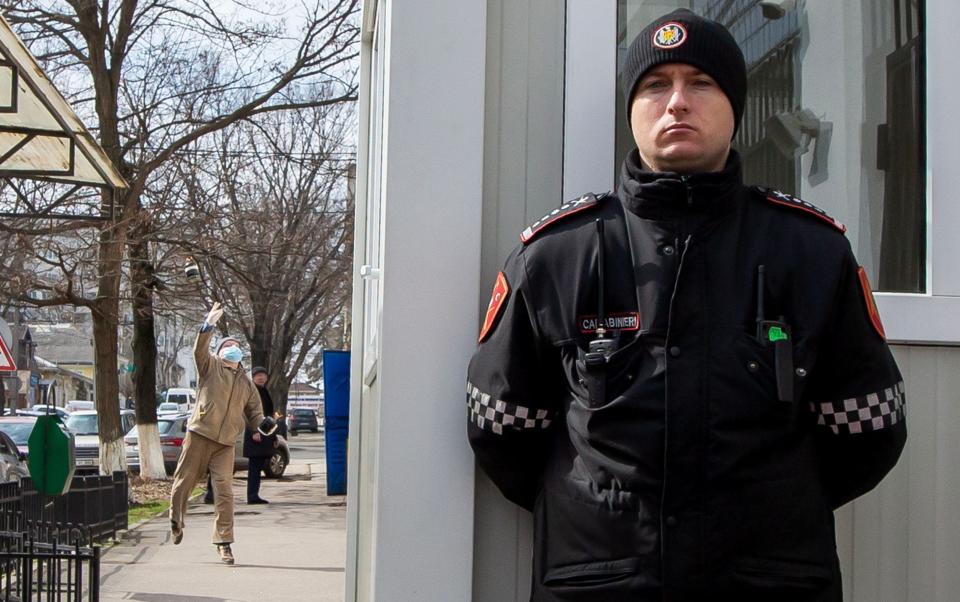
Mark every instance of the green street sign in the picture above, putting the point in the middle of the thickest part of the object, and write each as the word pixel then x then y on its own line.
pixel 51 458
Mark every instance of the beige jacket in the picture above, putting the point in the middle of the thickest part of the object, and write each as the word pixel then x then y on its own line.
pixel 225 397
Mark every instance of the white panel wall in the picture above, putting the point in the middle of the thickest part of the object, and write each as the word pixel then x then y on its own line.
pixel 414 452
pixel 901 542
pixel 523 169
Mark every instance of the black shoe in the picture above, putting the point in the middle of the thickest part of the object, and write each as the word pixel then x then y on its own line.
pixel 176 532
pixel 257 500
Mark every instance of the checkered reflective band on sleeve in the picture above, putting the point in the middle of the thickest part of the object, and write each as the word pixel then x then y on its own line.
pixel 494 414
pixel 870 412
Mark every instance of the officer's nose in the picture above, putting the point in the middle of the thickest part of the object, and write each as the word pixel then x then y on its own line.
pixel 678 100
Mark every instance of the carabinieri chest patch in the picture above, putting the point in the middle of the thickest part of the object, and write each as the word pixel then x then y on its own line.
pixel 567 209
pixel 617 321
pixel 782 198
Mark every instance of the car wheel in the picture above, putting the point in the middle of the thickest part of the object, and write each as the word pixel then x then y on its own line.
pixel 276 465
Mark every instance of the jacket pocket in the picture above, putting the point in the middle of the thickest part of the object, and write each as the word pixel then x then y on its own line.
pixel 592 574
pixel 781 575
pixel 601 384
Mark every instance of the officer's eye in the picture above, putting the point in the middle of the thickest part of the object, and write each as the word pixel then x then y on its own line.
pixel 703 82
pixel 653 84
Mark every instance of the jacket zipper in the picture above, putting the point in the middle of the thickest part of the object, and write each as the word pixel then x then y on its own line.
pixel 686 184
pixel 666 348
pixel 230 402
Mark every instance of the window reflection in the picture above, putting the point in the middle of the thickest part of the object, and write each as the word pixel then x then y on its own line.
pixel 834 114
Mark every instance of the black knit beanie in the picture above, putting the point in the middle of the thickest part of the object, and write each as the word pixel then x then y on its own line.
pixel 258 370
pixel 684 37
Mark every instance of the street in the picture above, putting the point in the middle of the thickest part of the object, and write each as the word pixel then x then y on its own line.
pixel 292 549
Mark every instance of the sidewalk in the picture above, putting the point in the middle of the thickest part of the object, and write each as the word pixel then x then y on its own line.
pixel 292 549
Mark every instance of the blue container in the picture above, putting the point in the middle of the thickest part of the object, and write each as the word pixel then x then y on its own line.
pixel 336 412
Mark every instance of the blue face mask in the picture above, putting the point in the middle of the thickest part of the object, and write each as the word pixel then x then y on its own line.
pixel 231 354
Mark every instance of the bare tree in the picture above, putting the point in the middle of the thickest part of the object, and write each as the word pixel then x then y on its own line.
pixel 159 76
pixel 274 234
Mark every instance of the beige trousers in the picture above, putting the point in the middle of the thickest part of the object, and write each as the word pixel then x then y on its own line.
pixel 199 455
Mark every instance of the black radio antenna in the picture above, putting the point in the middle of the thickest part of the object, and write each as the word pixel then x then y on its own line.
pixel 601 310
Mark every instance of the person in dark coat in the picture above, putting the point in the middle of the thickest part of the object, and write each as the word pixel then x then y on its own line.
pixel 256 447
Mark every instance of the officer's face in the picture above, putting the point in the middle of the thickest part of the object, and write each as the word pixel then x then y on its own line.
pixel 681 120
pixel 259 378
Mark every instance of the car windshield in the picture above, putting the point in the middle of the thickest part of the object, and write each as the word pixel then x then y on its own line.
pixel 168 407
pixel 18 431
pixel 303 412
pixel 82 424
pixel 176 398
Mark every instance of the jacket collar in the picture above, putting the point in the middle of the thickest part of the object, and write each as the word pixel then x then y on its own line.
pixel 665 195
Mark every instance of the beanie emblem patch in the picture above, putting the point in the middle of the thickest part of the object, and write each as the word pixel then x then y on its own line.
pixel 670 35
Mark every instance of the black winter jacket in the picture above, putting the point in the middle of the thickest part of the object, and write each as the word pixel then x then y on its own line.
pixel 674 465
pixel 263 449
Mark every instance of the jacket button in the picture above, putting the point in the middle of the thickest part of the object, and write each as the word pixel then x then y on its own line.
pixel 671 521
pixel 668 250
pixel 753 366
pixel 675 351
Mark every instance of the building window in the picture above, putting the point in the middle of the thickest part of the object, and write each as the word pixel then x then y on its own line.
pixel 834 114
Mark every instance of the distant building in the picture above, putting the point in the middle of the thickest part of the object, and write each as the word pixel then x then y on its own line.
pixel 20 388
pixel 302 395
pixel 59 385
pixel 69 347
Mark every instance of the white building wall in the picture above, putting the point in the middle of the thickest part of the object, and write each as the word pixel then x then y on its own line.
pixel 414 534
pixel 523 174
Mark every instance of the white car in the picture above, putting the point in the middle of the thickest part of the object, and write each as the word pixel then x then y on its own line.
pixel 75 405
pixel 42 409
pixel 86 431
pixel 168 408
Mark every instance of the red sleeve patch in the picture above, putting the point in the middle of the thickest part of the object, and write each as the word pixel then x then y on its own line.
pixel 871 304
pixel 500 291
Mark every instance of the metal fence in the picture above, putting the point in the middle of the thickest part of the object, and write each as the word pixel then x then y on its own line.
pixel 92 511
pixel 31 570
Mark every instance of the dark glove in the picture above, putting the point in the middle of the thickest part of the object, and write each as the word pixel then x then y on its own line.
pixel 267 427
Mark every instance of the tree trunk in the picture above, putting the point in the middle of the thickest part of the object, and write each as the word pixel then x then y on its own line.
pixel 150 451
pixel 145 355
pixel 279 388
pixel 105 349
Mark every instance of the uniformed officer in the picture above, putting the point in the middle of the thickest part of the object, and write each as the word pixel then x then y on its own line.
pixel 683 379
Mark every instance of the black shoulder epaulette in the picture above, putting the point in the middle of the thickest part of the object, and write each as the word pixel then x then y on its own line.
pixel 786 200
pixel 567 209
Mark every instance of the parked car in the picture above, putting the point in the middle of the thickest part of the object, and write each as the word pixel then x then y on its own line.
pixel 169 408
pixel 13 462
pixel 86 430
pixel 302 419
pixel 79 404
pixel 276 465
pixel 19 429
pixel 173 431
pixel 41 409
